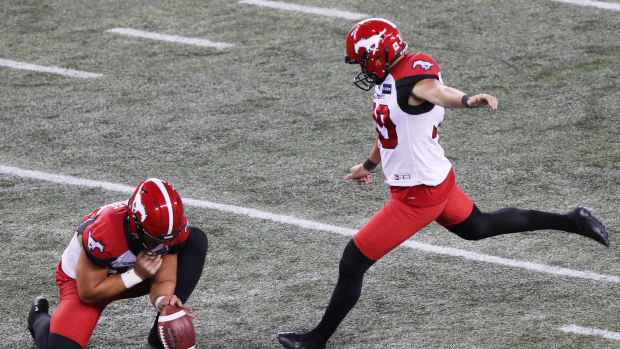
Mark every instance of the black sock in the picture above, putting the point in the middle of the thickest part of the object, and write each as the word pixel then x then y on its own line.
pixel 353 265
pixel 481 225
pixel 41 327
pixel 57 341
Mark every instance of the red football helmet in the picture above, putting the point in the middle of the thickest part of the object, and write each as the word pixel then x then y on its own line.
pixel 374 43
pixel 156 214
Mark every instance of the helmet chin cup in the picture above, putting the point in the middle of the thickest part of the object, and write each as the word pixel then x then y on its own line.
pixel 152 253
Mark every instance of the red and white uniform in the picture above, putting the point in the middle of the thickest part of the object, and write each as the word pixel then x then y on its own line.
pixel 408 138
pixel 105 243
pixel 422 183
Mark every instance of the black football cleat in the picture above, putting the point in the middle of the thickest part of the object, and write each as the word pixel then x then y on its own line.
pixel 40 305
pixel 292 340
pixel 153 339
pixel 589 226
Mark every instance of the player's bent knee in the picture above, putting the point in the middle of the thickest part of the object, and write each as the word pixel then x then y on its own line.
pixel 56 341
pixel 198 238
pixel 475 227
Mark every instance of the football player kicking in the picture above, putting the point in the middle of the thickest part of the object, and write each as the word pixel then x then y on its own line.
pixel 409 106
pixel 123 250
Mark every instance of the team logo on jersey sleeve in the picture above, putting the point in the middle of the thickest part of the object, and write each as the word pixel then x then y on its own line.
pixel 422 64
pixel 93 244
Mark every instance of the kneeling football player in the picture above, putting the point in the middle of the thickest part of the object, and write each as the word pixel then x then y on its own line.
pixel 122 250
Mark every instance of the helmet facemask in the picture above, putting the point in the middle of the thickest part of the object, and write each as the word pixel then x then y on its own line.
pixel 148 242
pixel 367 80
pixel 364 81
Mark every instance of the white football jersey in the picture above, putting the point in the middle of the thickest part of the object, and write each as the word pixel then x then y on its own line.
pixel 408 137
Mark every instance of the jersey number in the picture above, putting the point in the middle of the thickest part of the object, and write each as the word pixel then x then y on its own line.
pixel 381 114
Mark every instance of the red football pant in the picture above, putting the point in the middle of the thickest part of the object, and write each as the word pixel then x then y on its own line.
pixel 409 210
pixel 76 320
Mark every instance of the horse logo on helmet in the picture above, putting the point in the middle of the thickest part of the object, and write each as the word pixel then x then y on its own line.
pixel 371 44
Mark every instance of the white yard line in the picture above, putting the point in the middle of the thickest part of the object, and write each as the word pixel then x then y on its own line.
pixel 588 331
pixel 54 70
pixel 357 16
pixel 307 224
pixel 597 4
pixel 330 12
pixel 169 38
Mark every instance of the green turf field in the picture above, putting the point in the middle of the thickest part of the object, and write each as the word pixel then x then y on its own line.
pixel 274 124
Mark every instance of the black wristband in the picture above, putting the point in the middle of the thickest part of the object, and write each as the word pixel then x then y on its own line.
pixel 464 101
pixel 369 165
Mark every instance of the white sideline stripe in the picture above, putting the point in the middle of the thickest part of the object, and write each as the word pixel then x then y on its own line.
pixel 598 4
pixel 170 38
pixel 166 318
pixel 589 331
pixel 54 70
pixel 305 9
pixel 542 268
pixel 307 224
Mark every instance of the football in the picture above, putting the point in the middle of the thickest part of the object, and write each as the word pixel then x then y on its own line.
pixel 175 328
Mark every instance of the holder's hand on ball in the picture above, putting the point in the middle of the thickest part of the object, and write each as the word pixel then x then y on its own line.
pixel 175 301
